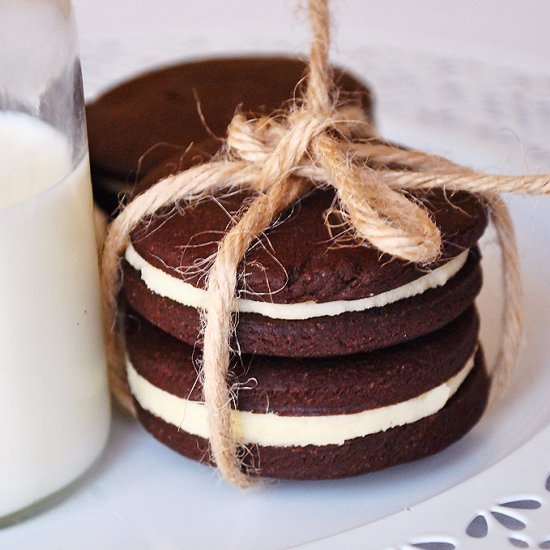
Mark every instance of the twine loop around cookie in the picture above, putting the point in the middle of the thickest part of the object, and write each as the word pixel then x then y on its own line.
pixel 317 142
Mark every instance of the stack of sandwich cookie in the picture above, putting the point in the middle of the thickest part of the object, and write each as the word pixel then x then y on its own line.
pixel 350 361
pixel 159 113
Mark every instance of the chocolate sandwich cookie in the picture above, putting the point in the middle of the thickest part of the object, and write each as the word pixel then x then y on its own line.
pixel 156 114
pixel 301 293
pixel 323 418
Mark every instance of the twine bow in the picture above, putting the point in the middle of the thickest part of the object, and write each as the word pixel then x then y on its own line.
pixel 318 142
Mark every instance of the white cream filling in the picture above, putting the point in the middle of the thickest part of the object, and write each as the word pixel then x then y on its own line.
pixel 271 429
pixel 175 289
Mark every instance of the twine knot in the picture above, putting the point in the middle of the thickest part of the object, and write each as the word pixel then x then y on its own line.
pixel 316 146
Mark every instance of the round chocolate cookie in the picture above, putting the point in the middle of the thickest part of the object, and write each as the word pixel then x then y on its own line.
pixel 301 293
pixel 318 419
pixel 157 115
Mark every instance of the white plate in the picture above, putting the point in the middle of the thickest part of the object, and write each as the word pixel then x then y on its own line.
pixel 142 495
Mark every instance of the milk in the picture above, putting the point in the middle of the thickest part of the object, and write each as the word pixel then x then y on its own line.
pixel 54 405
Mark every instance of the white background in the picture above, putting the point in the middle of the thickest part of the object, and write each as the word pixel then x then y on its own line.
pixel 515 31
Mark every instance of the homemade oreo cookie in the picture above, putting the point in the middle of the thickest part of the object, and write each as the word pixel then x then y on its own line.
pixel 302 292
pixel 157 114
pixel 323 418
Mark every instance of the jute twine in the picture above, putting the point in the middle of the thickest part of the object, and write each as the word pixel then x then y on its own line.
pixel 316 143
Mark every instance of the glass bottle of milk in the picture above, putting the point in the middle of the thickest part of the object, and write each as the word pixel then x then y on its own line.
pixel 54 403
